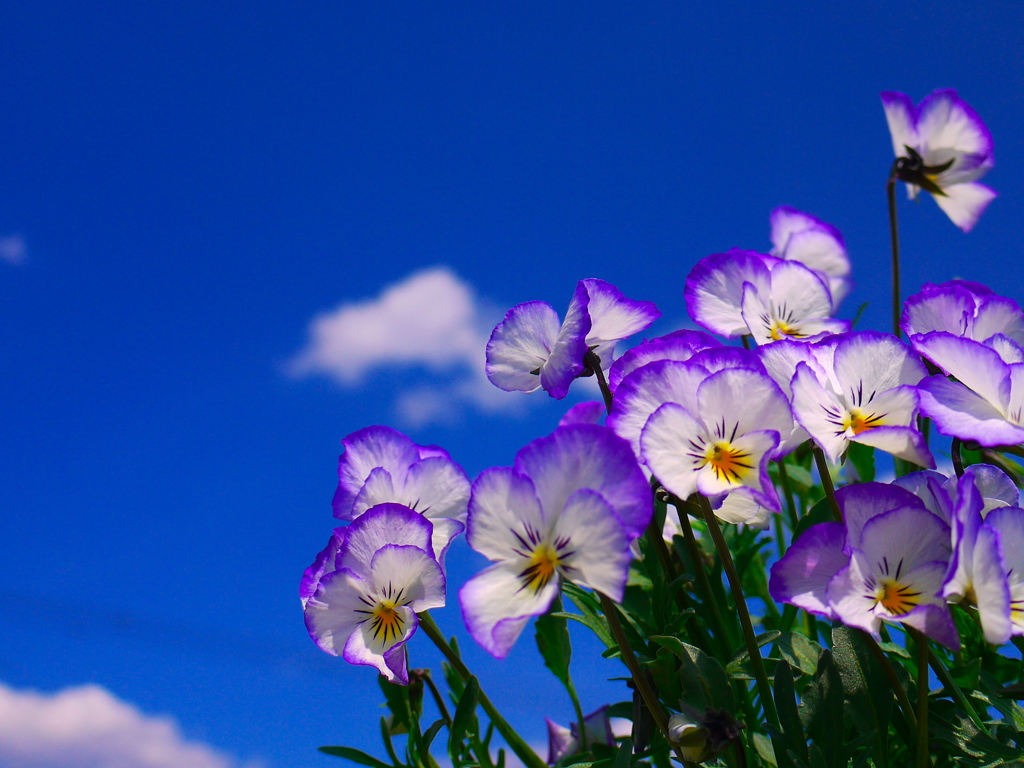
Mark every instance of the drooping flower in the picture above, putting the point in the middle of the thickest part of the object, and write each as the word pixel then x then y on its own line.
pixel 567 509
pixel 743 292
pixel 382 465
pixel 942 147
pixel 384 573
pixel 885 562
pixel 530 349
pixel 862 391
pixel 563 742
pixel 966 309
pixel 798 236
pixel 985 403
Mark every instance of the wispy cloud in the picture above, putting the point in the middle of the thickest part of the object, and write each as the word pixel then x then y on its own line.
pixel 432 319
pixel 87 727
pixel 13 249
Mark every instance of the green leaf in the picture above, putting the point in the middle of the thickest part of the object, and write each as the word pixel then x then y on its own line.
pixel 703 679
pixel 862 457
pixel 590 613
pixel 385 733
pixel 553 642
pixel 429 734
pixel 864 683
pixel 355 756
pixel 800 651
pixel 822 711
pixel 740 657
pixel 789 715
pixel 763 747
pixel 624 757
pixel 463 715
pixel 397 698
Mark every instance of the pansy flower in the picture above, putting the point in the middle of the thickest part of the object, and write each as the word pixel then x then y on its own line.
pixel 563 742
pixel 530 349
pixel 862 391
pixel 746 293
pixel 886 561
pixel 384 573
pixel 567 509
pixel 382 465
pixel 798 236
pixel 977 573
pixel 966 309
pixel 943 147
pixel 986 401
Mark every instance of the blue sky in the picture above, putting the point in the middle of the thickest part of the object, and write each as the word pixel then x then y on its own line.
pixel 186 186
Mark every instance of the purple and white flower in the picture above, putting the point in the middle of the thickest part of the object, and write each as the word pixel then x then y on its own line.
pixel 530 349
pixel 886 561
pixel 382 465
pixel 862 390
pixel 985 403
pixel 798 236
pixel 567 509
pixel 742 292
pixel 563 741
pixel 384 573
pixel 970 310
pixel 720 438
pixel 943 147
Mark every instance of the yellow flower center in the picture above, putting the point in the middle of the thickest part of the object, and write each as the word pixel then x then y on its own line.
pixel 728 463
pixel 541 570
pixel 896 598
pixel 860 421
pixel 387 624
pixel 781 330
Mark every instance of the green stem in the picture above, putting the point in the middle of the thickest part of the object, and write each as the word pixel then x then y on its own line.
pixel 894 234
pixel 594 363
pixel 787 491
pixel 894 682
pixel 702 580
pixel 950 684
pixel 826 482
pixel 514 740
pixel 438 699
pixel 760 675
pixel 923 760
pixel 647 693
pixel 958 459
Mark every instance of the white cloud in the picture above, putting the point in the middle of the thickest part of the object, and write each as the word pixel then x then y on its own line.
pixel 431 319
pixel 13 249
pixel 87 727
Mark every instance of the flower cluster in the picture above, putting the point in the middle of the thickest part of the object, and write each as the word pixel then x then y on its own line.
pixel 753 432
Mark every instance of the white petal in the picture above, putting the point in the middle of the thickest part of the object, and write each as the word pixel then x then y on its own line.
pixel 671 445
pixel 600 547
pixel 521 344
pixel 820 412
pixel 411 573
pixel 902 119
pixel 964 203
pixel 503 504
pixel 496 608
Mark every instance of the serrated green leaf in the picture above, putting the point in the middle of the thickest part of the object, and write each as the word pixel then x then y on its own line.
pixel 799 651
pixel 864 683
pixel 590 614
pixel 741 656
pixel 355 756
pixel 463 715
pixel 703 680
pixel 553 642
pixel 822 711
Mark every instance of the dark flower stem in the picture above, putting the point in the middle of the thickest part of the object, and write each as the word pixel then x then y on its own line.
pixel 514 740
pixel 593 362
pixel 923 761
pixel 787 491
pixel 894 233
pixel 826 482
pixel 950 685
pixel 702 577
pixel 438 699
pixel 760 675
pixel 894 682
pixel 958 459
